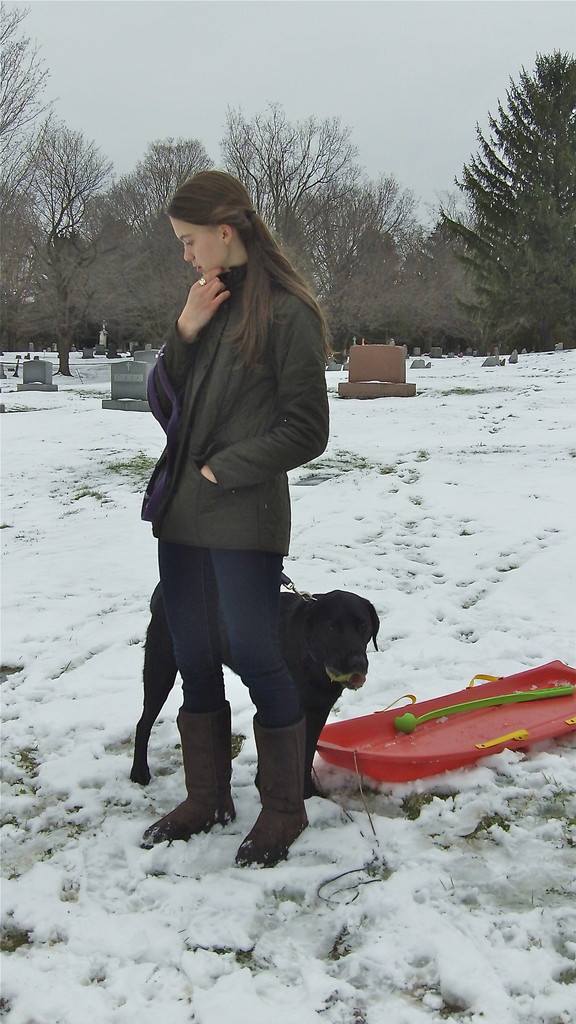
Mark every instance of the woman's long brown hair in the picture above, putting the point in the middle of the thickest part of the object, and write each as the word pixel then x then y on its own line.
pixel 214 197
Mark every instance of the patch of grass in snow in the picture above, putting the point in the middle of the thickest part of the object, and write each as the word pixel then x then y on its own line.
pixel 344 461
pixel 237 743
pixel 88 492
pixel 27 761
pixel 341 946
pixel 8 670
pixel 429 997
pixel 13 938
pixel 473 391
pixel 486 824
pixel 23 408
pixel 567 977
pixel 453 1011
pixel 413 803
pixel 137 470
pixel 409 475
pixel 560 805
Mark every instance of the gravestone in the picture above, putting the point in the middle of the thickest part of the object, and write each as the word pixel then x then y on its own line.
pixel 377 371
pixel 128 387
pixel 491 361
pixel 147 355
pixel 513 357
pixel 37 376
pixel 334 366
pixel 420 364
pixel 436 352
pixel 87 353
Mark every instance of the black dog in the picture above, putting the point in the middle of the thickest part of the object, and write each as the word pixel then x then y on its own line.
pixel 323 640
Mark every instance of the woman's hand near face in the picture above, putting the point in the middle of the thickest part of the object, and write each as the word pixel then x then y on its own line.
pixel 202 302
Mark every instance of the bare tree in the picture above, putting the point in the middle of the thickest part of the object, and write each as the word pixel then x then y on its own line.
pixel 345 233
pixel 146 279
pixel 69 174
pixel 358 252
pixel 434 298
pixel 286 167
pixel 141 196
pixel 21 107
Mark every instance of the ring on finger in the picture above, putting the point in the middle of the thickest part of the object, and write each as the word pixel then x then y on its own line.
pixel 202 281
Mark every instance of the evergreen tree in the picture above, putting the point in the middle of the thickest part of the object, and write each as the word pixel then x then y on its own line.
pixel 521 188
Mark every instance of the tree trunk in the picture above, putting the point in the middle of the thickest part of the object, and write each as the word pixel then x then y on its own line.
pixel 64 357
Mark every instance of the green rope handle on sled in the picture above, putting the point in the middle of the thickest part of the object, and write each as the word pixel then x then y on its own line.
pixel 408 721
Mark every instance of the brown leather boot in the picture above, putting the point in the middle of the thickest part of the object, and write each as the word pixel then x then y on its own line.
pixel 281 755
pixel 207 757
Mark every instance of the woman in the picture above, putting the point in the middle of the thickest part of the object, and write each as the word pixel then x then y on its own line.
pixel 240 388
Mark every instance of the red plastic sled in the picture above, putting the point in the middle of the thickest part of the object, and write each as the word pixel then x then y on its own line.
pixel 453 735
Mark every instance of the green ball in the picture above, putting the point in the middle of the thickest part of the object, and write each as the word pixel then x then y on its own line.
pixel 406 723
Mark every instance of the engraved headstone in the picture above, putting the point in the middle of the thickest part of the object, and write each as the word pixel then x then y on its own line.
pixel 128 387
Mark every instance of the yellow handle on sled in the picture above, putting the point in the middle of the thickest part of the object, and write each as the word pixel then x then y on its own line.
pixel 520 734
pixel 487 679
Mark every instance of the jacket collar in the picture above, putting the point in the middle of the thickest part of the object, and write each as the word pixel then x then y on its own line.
pixel 234 277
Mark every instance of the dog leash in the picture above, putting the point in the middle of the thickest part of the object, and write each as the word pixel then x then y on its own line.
pixel 287 582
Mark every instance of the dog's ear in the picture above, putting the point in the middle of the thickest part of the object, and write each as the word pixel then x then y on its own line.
pixel 375 624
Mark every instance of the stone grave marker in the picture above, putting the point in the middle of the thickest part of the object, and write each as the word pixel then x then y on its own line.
pixel 377 371
pixel 147 355
pixel 37 376
pixel 128 387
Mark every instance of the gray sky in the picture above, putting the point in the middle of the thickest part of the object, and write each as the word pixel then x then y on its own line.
pixel 411 78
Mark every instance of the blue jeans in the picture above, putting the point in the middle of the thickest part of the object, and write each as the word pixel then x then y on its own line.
pixel 202 585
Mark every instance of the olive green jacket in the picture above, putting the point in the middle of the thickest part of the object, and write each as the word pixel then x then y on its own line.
pixel 250 426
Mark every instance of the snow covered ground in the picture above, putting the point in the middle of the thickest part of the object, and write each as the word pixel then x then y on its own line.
pixel 449 898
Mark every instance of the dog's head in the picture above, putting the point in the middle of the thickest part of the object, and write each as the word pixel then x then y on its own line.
pixel 340 626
